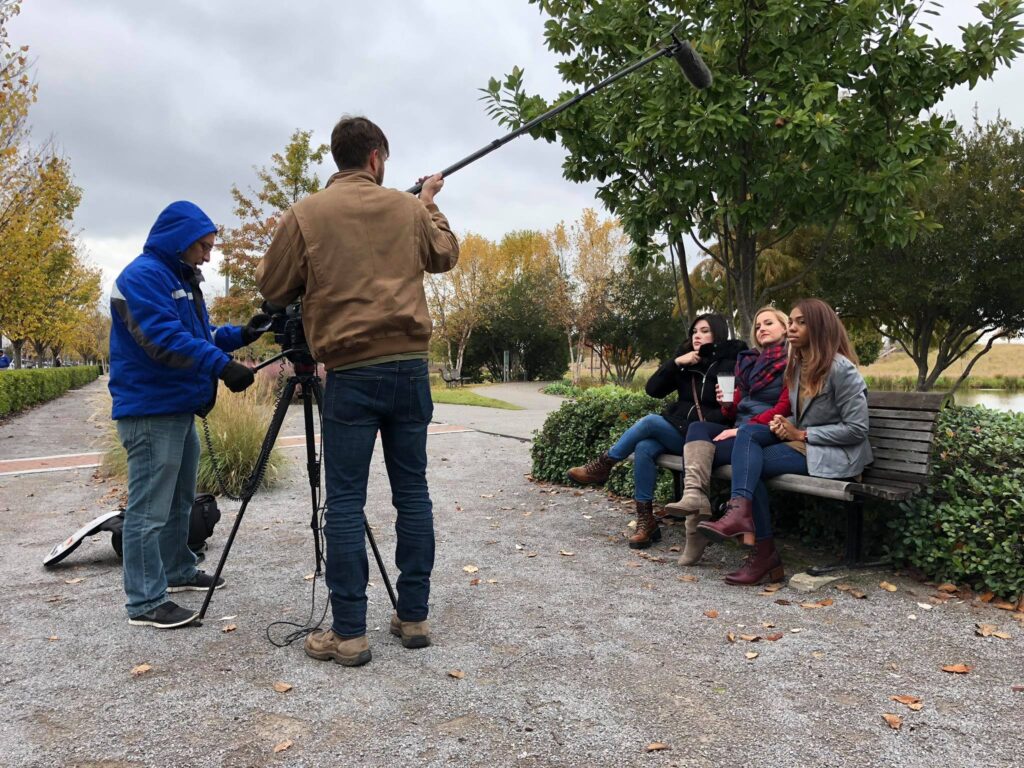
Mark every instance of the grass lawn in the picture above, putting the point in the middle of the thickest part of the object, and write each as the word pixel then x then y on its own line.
pixel 459 396
pixel 1002 360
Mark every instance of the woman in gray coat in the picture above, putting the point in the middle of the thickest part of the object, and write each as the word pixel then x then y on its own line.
pixel 827 436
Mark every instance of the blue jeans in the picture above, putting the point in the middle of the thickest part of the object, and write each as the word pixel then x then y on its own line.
pixel 706 431
pixel 163 459
pixel 757 456
pixel 650 437
pixel 393 398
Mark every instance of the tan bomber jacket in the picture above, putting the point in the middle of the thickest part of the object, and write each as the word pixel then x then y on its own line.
pixel 357 252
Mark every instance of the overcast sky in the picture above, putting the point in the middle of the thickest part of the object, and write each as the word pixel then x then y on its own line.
pixel 154 102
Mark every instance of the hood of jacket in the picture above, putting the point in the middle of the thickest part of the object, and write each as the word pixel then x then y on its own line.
pixel 178 226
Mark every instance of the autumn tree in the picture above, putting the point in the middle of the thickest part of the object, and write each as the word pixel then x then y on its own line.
pixel 287 179
pixel 814 117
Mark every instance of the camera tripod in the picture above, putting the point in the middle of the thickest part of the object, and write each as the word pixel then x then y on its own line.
pixel 307 382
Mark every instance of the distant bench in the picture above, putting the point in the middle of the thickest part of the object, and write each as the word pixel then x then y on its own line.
pixel 450 379
pixel 901 431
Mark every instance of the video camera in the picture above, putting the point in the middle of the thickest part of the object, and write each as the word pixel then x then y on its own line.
pixel 286 325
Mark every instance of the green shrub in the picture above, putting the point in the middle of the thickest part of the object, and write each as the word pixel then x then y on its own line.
pixel 582 428
pixel 562 389
pixel 968 526
pixel 24 388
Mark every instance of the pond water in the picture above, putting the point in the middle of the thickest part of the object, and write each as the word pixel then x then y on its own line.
pixel 998 399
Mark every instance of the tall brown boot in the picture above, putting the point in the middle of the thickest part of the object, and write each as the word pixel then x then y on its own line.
pixel 594 472
pixel 647 529
pixel 736 523
pixel 698 458
pixel 762 564
pixel 696 542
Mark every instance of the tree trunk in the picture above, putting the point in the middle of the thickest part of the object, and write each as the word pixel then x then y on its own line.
pixel 680 253
pixel 17 345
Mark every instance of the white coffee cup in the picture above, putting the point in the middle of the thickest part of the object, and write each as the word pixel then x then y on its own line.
pixel 728 385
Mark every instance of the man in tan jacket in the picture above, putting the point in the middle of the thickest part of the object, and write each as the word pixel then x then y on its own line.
pixel 356 253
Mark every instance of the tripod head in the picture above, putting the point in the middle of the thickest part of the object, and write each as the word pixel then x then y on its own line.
pixel 286 324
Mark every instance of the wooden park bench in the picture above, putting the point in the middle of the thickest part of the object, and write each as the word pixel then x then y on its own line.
pixel 901 432
pixel 450 379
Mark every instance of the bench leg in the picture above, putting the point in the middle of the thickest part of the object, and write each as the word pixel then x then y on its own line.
pixel 677 484
pixel 852 559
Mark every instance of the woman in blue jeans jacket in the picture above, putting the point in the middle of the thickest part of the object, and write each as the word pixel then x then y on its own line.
pixel 691 373
pixel 827 436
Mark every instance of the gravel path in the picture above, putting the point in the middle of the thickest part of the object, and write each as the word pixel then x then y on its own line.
pixel 580 659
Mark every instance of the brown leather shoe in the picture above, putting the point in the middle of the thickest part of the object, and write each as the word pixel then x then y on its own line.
pixel 647 529
pixel 736 523
pixel 414 634
pixel 326 646
pixel 762 564
pixel 593 472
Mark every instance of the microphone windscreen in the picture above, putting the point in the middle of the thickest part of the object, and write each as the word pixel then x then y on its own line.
pixel 693 66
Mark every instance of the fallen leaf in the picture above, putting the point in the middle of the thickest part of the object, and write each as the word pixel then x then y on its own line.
pixel 780 601
pixel 470 568
pixel 676 548
pixel 751 655
pixel 688 577
pixel 750 638
pixel 826 602
pixel 230 628
pixel 633 564
pixel 141 669
pixel 925 606
pixel 888 587
pixel 486 495
pixel 78 580
pixel 795 630
pixel 856 593
pixel 1001 635
pixel 844 587
pixel 730 637
pixel 894 721
pixel 282 746
pixel 227 618
pixel 309 576
pixel 1001 605
pixel 767 625
pixel 566 553
pixel 957 669
pixel 632 524
pixel 520 546
pixel 474 582
pixel 282 687
pixel 947 587
pixel 773 637
pixel 913 702
pixel 657 746
pixel 985 630
pixel 492 581
pixel 54 599
pixel 52 638
pixel 986 597
pixel 811 605
pixel 711 614
pixel 818 654
pixel 458 674
pixel 531 554
pixel 773 587
pixel 1017 688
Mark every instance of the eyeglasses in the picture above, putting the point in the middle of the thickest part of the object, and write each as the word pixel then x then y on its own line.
pixel 207 247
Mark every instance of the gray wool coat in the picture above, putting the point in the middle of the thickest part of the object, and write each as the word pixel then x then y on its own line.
pixel 836 420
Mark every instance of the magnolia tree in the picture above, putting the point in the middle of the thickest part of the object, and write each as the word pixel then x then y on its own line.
pixel 819 112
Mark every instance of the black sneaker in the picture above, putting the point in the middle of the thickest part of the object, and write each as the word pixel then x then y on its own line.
pixel 200 583
pixel 167 615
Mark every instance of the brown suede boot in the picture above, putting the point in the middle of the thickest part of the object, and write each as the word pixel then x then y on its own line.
pixel 737 523
pixel 594 472
pixel 326 645
pixel 413 634
pixel 647 529
pixel 696 542
pixel 698 457
pixel 762 564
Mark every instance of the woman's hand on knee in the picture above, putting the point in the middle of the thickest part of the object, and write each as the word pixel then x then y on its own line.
pixel 725 434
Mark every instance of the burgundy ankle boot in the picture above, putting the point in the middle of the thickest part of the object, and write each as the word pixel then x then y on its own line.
pixel 762 564
pixel 736 523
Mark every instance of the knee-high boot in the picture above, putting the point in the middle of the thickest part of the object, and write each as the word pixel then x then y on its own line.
pixel 698 458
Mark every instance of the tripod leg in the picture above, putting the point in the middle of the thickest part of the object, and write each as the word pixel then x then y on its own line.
pixel 311 392
pixel 280 411
pixel 318 396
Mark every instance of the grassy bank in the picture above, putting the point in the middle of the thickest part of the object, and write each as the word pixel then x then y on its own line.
pixel 462 396
pixel 1001 368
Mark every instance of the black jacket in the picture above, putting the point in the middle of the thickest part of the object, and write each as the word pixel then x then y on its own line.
pixel 714 359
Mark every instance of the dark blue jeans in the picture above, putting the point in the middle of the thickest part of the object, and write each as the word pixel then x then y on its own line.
pixel 757 456
pixel 650 437
pixel 706 431
pixel 394 399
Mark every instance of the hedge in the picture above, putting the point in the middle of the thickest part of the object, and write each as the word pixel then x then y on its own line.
pixel 24 388
pixel 966 528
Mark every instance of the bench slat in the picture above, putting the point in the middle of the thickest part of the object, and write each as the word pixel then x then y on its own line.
pixel 900 466
pixel 900 434
pixel 899 445
pixel 884 492
pixel 890 454
pixel 906 424
pixel 883 476
pixel 927 417
pixel 918 401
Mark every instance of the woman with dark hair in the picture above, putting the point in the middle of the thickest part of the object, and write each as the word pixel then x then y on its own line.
pixel 759 396
pixel 827 436
pixel 691 373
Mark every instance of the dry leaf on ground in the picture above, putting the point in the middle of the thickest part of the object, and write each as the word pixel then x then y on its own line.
pixel 77 580
pixel 774 636
pixel 893 721
pixel 913 702
pixel 1001 635
pixel 470 568
pixel 844 587
pixel 474 582
pixel 750 638
pixel 687 577
pixel 751 655
pixel 711 614
pixel 773 587
pixel 52 638
pixel 458 674
pixel 566 553
pixel 309 577
pixel 657 746
pixel 230 628
pixel 141 669
pixel 957 669
pixel 283 745
pixel 985 630
pixel 282 687
pixel 1004 606
pixel 947 587
pixel 856 593
pixel 986 597
pixel 730 637
pixel 888 587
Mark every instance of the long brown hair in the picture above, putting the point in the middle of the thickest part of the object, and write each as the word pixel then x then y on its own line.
pixel 826 338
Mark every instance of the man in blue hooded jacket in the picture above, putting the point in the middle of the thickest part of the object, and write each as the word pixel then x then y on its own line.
pixel 165 359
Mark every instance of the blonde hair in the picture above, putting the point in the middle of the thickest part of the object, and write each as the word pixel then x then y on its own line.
pixel 781 316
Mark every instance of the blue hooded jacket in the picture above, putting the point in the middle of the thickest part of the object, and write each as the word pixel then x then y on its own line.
pixel 165 356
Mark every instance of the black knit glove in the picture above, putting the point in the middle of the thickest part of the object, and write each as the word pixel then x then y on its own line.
pixel 237 376
pixel 256 327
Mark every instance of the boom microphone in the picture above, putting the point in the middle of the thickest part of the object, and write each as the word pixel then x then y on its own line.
pixel 693 66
